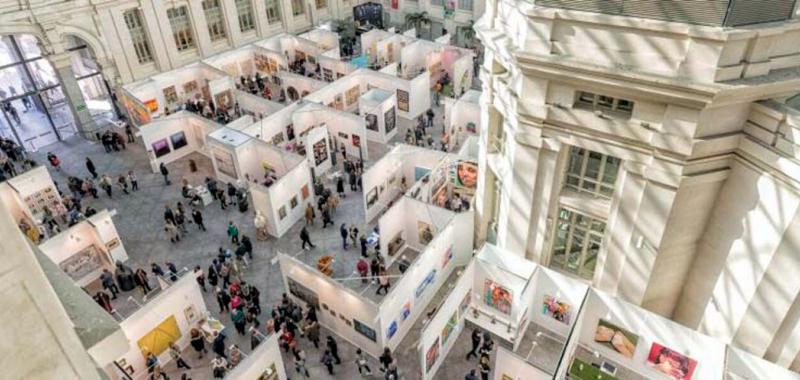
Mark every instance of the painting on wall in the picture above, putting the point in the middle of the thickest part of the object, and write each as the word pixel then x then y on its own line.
pixel 189 87
pixel 428 280
pixel 277 139
pixel 282 212
pixel 224 99
pixel 365 330
pixel 389 120
pixel 84 262
pixel 402 100
pixel 466 174
pixel 271 373
pixel 320 152
pixel 449 327
pixel 351 96
pixel 497 296
pixel 614 337
pixel 307 295
pixel 448 256
pixel 159 338
pixel 261 62
pixel 224 161
pixel 462 308
pixel 391 330
pixel 420 172
pixel 304 191
pixel 356 140
pixel 372 122
pixel 338 103
pixel 671 363
pixel 432 355
pixel 293 202
pixel 160 148
pixel 558 310
pixel 425 233
pixel 190 313
pixel 178 140
pixel 372 197
pixel 406 312
pixel 170 95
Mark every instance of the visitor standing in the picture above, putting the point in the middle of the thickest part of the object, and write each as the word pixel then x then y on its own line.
pixel 383 282
pixel 471 375
pixel 165 173
pixel 233 232
pixel 201 278
pixel 484 367
pixel 105 184
pixel 198 342
pixel 310 214
pixel 133 180
pixel 300 361
pixel 386 359
pixel 476 343
pixel 54 161
pixel 312 332
pixel 333 347
pixel 175 353
pixel 197 217
pixel 107 279
pixel 344 233
pixel 361 363
pixel 90 167
pixel 327 360
pixel 218 344
pixel 340 186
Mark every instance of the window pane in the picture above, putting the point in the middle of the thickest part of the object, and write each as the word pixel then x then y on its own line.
pixel 611 170
pixel 298 7
pixel 181 28
pixel 29 46
pixel 83 63
pixel 43 73
pixel 605 101
pixel 244 9
pixel 273 12
pixel 625 105
pixel 593 166
pixel 586 97
pixel 214 20
pixel 14 81
pixel 7 52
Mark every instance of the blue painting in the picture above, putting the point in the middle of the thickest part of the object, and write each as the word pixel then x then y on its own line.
pixel 420 172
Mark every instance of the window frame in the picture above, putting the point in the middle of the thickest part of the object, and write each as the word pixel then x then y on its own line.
pixel 295 11
pixel 584 234
pixel 578 180
pixel 215 20
pixel 247 20
pixel 275 6
pixel 605 103
pixel 180 22
pixel 140 40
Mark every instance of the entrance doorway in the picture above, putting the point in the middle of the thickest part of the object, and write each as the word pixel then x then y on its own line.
pixel 94 88
pixel 34 109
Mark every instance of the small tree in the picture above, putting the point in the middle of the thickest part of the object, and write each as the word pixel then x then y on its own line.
pixel 468 33
pixel 418 21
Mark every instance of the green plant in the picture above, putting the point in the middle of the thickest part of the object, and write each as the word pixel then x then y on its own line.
pixel 468 33
pixel 418 21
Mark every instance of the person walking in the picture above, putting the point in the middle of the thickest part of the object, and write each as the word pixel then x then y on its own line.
pixel 344 233
pixel 304 236
pixel 233 232
pixel 363 240
pixel 172 231
pixel 340 186
pixel 374 269
pixel 484 367
pixel 476 343
pixel 471 375
pixel 237 317
pixel 169 215
pixel 361 363
pixel 327 360
pixel 107 279
pixel 386 359
pixel 363 270
pixel 224 300
pixel 353 235
pixel 175 353
pixel 54 161
pixel 198 342
pixel 197 217
pixel 122 182
pixel 333 347
pixel 105 184
pixel 219 366
pixel 383 282
pixel 129 133
pixel 90 167
pixel 312 332
pixel 299 356
pixel 310 214
pixel 133 180
pixel 165 173
pixel 142 281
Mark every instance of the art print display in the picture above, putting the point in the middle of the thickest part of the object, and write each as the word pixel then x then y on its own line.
pixel 425 283
pixel 466 174
pixel 160 148
pixel 320 152
pixel 365 330
pixel 425 234
pixel 343 135
pixel 293 202
pixel 137 112
pixel 448 328
pixel 225 163
pixel 277 139
pixel 189 87
pixel 282 212
pixel 327 75
pixel 471 128
pixel 558 310
pixel 420 172
pixel 338 103
pixel 178 140
pixel 290 132
pixel 271 373
pixel 158 339
pixel 372 122
pixel 402 100
pixel 152 105
pixel 462 308
pixel 497 296
pixel 46 197
pixel 391 330
pixel 84 262
pixel 616 338
pixel 351 96
pixel 671 363
pixel 432 355
pixel 448 256
pixel 190 312
pixel 304 191
pixel 170 95
pixel 389 120
pixel 406 312
pixel 372 197
pixel 307 295
pixel 356 140
pixel 224 99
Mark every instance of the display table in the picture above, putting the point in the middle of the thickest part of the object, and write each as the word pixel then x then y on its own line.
pixel 205 195
pixel 209 326
pixel 325 265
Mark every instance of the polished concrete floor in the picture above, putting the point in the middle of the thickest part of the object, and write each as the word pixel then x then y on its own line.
pixel 139 221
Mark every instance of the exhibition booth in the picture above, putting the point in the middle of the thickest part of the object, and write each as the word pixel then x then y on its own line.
pixel 166 318
pixel 175 136
pixel 462 117
pixel 383 47
pixel 378 107
pixel 383 181
pixel 410 224
pixel 296 86
pixel 437 59
pixel 293 48
pixel 450 184
pixel 249 60
pixel 370 325
pixel 27 194
pixel 84 250
pixel 279 181
pixel 325 38
pixel 263 363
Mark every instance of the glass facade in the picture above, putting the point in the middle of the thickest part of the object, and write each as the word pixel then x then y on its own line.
pixel 591 172
pixel 96 93
pixel 578 239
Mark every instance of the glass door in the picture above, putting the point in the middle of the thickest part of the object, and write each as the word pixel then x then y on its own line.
pixel 578 239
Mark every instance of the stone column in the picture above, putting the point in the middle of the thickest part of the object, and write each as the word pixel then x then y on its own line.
pixel 69 85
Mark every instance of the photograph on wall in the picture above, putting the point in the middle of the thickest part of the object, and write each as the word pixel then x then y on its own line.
pixel 497 296
pixel 224 161
pixel 389 120
pixel 402 100
pixel 432 355
pixel 391 330
pixel 282 212
pixel 558 310
pixel 304 191
pixel 616 338
pixel 189 87
pixel 671 362
pixel 448 256
pixel 293 202
pixel 320 152
pixel 356 140
pixel 372 197
pixel 152 105
pixel 462 308
pixel 372 122
pixel 327 75
pixel 420 172
pixel 138 114
pixel 160 148
pixel 178 140
pixel 307 295
pixel 351 96
pixel 170 95
pixel 277 139
pixel 425 234
pixel 364 330
pixel 224 99
pixel 83 263
pixel 406 311
pixel 449 327
pixel 466 174
pixel 425 283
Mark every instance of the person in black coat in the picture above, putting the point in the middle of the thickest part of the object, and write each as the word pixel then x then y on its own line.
pixel 197 217
pixel 340 186
pixel 165 173
pixel 334 349
pixel 90 167
pixel 218 345
pixel 248 246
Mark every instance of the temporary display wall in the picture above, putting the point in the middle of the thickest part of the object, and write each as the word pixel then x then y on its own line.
pixel 379 109
pixel 176 136
pixel 284 202
pixel 462 116
pixel 740 364
pixel 168 317
pixel 263 363
pixel 297 86
pixel 174 87
pixel 27 194
pixel 412 222
pixel 227 148
pixel 509 366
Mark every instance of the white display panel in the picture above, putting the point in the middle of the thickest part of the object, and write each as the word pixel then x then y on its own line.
pixel 265 360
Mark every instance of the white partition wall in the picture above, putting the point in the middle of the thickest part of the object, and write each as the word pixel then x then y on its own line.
pixel 413 222
pixel 81 252
pixel 175 136
pixel 265 360
pixel 510 366
pixel 379 109
pixel 26 195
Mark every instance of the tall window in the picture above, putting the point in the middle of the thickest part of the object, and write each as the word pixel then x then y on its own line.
pixel 592 172
pixel 577 242
pixel 244 8
pixel 141 45
pixel 298 7
pixel 616 106
pixel 181 27
pixel 321 4
pixel 214 19
pixel 465 5
pixel 273 11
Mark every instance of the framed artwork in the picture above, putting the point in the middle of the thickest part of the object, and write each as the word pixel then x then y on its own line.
pixel 467 174
pixel 432 355
pixel 343 135
pixel 342 317
pixel 320 152
pixel 462 308
pixel 372 122
pixel 178 140
pixel 282 212
pixel 497 296
pixel 471 128
pixel 356 140
pixel 261 62
pixel 420 172
pixel 170 95
pixel 351 96
pixel 424 284
pixel 365 330
pixel 406 311
pixel 161 148
pixel 84 262
pixel 224 161
pixel 113 243
pixel 348 323
pixel 558 310
pixel 277 139
pixel 190 313
pixel 391 330
pixel 304 191
pixel 372 197
pixel 290 132
pixel 159 338
pixel 402 100
pixel 616 338
pixel 327 75
pixel 670 362
pixel 425 233
pixel 224 99
pixel 293 202
pixel 449 327
pixel 152 105
pixel 448 255
pixel 270 374
pixel 189 87
pixel 389 120
pixel 506 377
pixel 333 312
pixel 307 295
pixel 338 103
